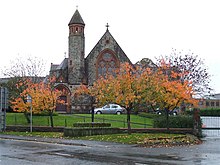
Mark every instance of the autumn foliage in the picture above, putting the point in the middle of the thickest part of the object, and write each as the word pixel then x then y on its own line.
pixel 44 97
pixel 169 91
pixel 132 86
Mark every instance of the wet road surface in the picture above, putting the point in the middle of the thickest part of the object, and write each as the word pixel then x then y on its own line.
pixel 77 152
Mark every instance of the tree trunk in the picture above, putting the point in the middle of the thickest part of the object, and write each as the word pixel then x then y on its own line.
pixel 129 121
pixel 92 114
pixel 27 116
pixel 167 117
pixel 51 118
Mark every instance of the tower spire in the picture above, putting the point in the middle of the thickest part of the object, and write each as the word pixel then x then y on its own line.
pixel 76 18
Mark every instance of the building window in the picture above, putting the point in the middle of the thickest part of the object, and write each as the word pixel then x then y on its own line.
pixel 200 102
pixel 106 63
pixel 207 103
pixel 217 104
pixel 212 104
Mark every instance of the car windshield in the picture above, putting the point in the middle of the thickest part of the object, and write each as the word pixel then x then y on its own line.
pixel 106 106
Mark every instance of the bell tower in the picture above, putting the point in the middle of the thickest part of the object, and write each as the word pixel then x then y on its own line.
pixel 76 63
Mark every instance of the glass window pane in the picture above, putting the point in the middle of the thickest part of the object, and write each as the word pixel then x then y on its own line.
pixel 107 57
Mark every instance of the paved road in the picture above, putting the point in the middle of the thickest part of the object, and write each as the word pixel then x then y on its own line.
pixel 40 151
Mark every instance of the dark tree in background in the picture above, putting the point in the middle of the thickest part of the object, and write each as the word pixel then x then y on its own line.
pixel 192 65
pixel 19 71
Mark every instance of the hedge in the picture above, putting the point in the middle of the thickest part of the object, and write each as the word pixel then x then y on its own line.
pixel 174 122
pixel 210 112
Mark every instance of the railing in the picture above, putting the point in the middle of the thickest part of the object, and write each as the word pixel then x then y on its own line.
pixel 124 122
pixel 68 120
pixel 210 126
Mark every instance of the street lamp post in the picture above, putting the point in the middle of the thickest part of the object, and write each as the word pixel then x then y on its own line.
pixel 29 100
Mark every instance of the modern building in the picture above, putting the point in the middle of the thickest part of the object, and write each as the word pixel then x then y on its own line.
pixel 210 101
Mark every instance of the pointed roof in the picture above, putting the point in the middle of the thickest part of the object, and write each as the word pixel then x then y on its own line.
pixel 119 49
pixel 76 18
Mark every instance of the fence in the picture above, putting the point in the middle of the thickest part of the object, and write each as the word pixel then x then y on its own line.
pixel 68 120
pixel 123 122
pixel 211 126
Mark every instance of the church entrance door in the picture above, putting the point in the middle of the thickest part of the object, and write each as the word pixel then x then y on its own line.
pixel 62 107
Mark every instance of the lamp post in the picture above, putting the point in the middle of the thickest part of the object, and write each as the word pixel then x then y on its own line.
pixel 29 100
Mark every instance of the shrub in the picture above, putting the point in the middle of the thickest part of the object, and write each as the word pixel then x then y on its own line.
pixel 174 122
pixel 210 112
pixel 183 121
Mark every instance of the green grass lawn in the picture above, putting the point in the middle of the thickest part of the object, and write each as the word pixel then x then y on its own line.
pixel 68 120
pixel 144 139
pixel 141 139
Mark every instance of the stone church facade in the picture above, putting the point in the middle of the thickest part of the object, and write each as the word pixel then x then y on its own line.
pixel 80 69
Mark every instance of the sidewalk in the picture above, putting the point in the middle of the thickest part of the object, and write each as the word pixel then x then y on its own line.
pixel 45 140
pixel 205 153
pixel 60 141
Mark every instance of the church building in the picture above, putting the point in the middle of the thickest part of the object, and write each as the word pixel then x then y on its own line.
pixel 80 69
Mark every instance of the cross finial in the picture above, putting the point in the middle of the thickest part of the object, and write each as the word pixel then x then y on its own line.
pixel 107 25
pixel 77 7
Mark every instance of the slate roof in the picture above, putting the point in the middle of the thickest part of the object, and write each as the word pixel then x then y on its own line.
pixel 76 18
pixel 213 97
pixel 53 66
pixel 63 65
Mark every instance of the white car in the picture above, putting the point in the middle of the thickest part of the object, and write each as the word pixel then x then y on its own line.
pixel 110 109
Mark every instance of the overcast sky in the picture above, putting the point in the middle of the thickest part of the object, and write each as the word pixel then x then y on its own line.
pixel 143 28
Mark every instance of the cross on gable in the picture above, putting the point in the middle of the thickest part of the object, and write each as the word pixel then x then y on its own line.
pixel 107 25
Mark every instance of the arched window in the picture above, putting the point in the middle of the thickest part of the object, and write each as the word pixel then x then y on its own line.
pixel 107 63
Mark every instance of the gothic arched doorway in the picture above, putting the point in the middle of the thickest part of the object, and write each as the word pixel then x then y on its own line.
pixel 65 96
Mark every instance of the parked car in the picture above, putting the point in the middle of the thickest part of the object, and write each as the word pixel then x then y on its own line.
pixel 173 112
pixel 110 109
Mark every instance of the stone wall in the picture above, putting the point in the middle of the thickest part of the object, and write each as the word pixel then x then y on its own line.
pixel 76 132
pixel 81 104
pixel 76 64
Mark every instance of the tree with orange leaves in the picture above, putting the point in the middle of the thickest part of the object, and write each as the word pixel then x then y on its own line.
pixel 44 97
pixel 169 90
pixel 123 88
pixel 131 86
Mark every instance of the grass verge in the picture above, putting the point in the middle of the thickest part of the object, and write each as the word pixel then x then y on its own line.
pixel 119 121
pixel 139 139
